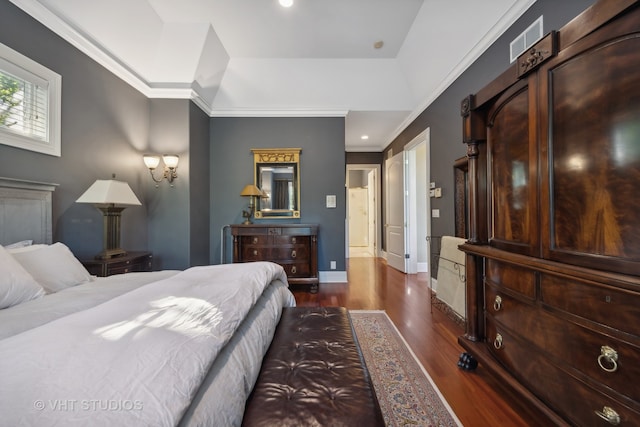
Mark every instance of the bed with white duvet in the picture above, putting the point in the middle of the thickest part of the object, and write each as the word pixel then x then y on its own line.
pixel 163 348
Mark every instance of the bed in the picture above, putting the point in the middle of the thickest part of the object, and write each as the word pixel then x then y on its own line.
pixel 162 348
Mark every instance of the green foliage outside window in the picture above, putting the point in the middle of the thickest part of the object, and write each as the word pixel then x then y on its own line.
pixel 8 89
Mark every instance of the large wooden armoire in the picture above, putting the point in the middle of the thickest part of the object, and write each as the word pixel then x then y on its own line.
pixel 553 255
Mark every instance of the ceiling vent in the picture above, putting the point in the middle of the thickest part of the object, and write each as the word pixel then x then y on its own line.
pixel 525 40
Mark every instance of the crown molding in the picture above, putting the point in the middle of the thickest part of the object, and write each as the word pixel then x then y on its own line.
pixel 505 22
pixel 278 113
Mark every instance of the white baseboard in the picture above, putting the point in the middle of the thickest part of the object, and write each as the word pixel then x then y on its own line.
pixel 333 277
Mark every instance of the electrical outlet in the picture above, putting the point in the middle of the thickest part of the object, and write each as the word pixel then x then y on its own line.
pixel 432 185
pixel 333 265
pixel 435 213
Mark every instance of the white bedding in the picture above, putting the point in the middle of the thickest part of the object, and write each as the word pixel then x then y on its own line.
pixel 140 358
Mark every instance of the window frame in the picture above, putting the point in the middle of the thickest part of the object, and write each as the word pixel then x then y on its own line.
pixel 51 145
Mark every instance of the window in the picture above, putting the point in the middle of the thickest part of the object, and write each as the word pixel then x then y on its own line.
pixel 29 104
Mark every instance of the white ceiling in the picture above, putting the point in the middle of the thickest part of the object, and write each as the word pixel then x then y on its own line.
pixel 317 58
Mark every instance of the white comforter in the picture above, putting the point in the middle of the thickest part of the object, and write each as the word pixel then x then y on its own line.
pixel 137 359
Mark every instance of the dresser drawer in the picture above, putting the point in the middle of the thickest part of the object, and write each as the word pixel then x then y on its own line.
pixel 255 240
pixel 256 253
pixel 570 397
pixel 291 240
pixel 518 279
pixel 295 253
pixel 297 269
pixel 615 307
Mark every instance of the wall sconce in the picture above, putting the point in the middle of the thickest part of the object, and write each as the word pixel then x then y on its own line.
pixel 170 170
pixel 250 191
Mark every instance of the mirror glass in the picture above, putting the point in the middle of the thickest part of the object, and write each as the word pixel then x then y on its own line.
pixel 277 173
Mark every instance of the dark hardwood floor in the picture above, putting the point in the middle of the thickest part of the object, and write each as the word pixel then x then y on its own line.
pixel 476 398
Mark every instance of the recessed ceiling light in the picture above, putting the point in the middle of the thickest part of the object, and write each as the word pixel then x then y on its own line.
pixel 378 44
pixel 286 3
pixel 364 137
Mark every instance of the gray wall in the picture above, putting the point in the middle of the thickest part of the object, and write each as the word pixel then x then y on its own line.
pixel 106 127
pixel 443 115
pixel 322 172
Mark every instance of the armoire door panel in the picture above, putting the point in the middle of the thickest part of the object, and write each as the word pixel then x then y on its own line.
pixel 512 150
pixel 594 208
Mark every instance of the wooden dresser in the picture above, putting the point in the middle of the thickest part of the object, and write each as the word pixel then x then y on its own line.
pixel 293 246
pixel 553 255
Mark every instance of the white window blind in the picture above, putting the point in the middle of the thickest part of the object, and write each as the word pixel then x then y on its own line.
pixel 29 104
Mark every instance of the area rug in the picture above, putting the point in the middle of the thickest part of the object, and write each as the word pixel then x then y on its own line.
pixel 407 395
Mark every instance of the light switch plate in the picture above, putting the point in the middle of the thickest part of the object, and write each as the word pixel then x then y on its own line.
pixel 331 201
pixel 435 213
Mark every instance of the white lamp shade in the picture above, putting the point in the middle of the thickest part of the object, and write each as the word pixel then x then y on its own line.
pixel 170 161
pixel 110 191
pixel 151 162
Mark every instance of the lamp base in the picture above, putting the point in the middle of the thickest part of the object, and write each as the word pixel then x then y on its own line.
pixel 111 253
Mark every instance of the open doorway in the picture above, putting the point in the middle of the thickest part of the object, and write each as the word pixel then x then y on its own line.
pixel 363 211
pixel 417 218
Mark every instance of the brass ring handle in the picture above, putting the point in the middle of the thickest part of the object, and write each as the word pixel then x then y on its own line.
pixel 497 343
pixel 609 415
pixel 609 357
pixel 497 304
pixel 255 240
pixel 255 252
pixel 293 240
pixel 293 269
pixel 293 254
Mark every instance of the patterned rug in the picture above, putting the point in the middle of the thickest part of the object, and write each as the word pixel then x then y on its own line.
pixel 407 395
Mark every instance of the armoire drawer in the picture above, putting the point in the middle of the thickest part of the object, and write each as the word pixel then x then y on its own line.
pixel 600 357
pixel 615 307
pixel 570 397
pixel 255 240
pixel 521 280
pixel 291 240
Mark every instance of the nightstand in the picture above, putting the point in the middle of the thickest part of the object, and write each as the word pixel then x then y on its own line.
pixel 132 261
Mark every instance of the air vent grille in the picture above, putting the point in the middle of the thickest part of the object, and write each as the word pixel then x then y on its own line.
pixel 527 39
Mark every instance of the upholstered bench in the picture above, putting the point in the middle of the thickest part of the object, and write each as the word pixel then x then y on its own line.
pixel 313 374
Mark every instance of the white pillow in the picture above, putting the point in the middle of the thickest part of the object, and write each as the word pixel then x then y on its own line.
pixel 15 250
pixel 16 284
pixel 20 244
pixel 54 267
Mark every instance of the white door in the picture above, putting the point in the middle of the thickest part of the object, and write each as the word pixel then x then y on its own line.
pixel 358 217
pixel 395 196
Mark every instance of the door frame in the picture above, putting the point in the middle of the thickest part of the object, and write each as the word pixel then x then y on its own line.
pixel 418 218
pixel 377 214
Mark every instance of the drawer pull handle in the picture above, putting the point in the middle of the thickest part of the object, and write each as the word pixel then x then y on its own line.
pixel 255 252
pixel 608 359
pixel 497 343
pixel 609 415
pixel 293 254
pixel 255 240
pixel 293 240
pixel 497 304
pixel 294 270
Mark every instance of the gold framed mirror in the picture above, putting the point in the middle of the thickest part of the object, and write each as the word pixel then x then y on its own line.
pixel 277 174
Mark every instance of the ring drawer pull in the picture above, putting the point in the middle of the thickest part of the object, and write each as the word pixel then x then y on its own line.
pixel 255 252
pixel 497 304
pixel 497 343
pixel 255 240
pixel 293 254
pixel 608 359
pixel 609 415
pixel 293 240
pixel 293 269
